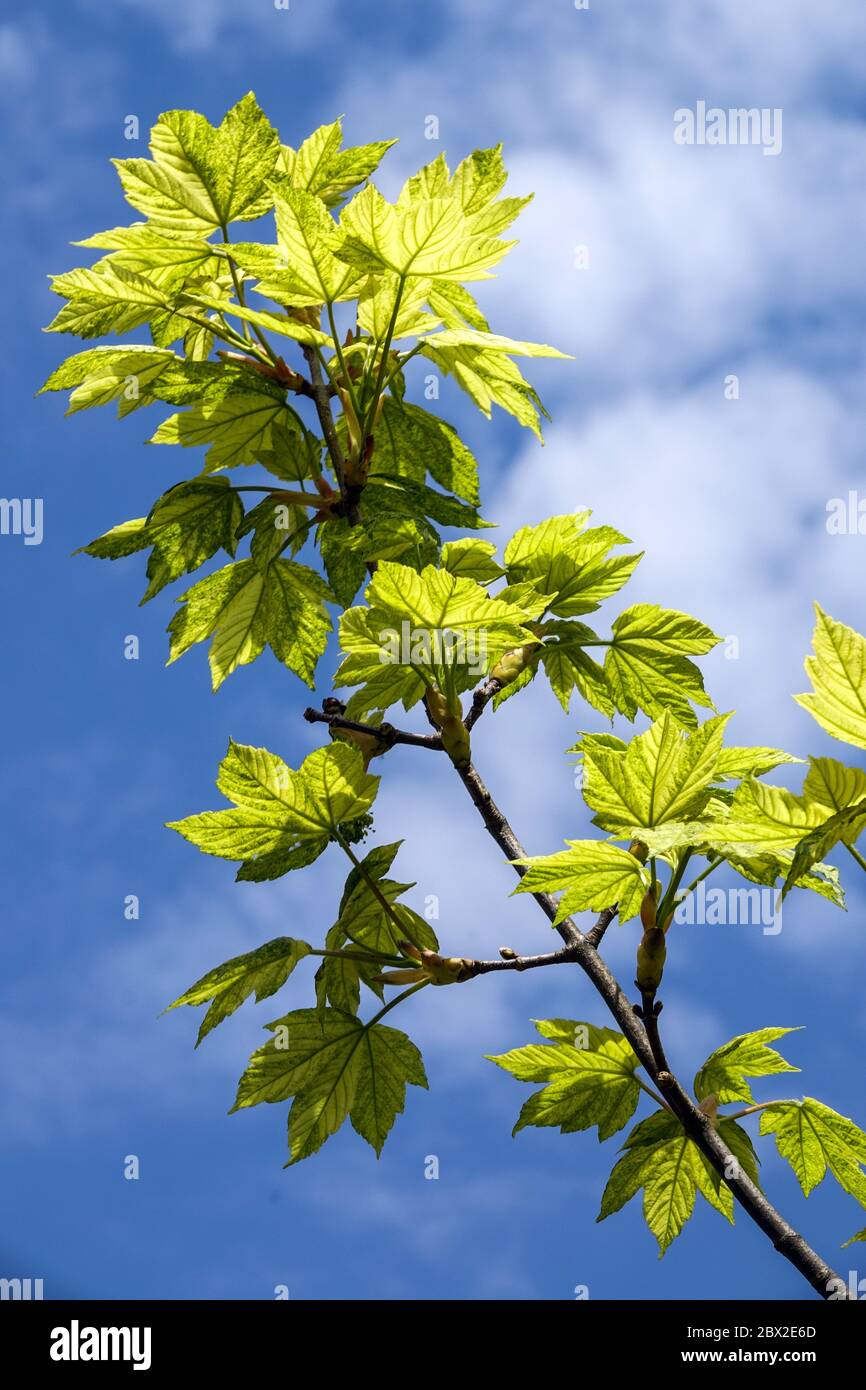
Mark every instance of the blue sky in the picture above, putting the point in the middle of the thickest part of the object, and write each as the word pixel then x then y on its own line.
pixel 703 262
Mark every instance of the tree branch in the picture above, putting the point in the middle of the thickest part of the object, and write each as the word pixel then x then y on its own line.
pixel 481 699
pixel 640 1030
pixel 648 1012
pixel 385 733
pixel 595 935
pixel 511 847
pixel 645 1042
pixel 511 961
pixel 322 398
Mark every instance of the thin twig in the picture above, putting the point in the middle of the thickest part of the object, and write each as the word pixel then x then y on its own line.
pixel 386 733
pixel 648 1012
pixel 564 956
pixel 595 935
pixel 481 699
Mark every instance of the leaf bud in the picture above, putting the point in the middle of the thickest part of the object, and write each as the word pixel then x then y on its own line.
pixel 437 707
pixel 651 955
pixel 513 663
pixel 455 740
pixel 648 907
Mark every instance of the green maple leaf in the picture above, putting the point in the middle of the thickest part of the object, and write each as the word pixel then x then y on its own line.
pixel 321 167
pixel 844 825
pixel 569 667
pixel 737 763
pixel 569 563
pixel 333 1067
pixel 594 874
pixel 109 299
pixel 489 378
pixel 434 622
pixel 201 178
pixel 724 1072
pixel 834 785
pixel 763 819
pixel 366 923
pixel 840 793
pixel 435 599
pixel 425 238
pixel 663 775
pixel 100 375
pixel 472 558
pixel 837 671
pixel 391 495
pixel 147 248
pixel 647 665
pixel 411 441
pixel 186 526
pixel 813 1138
pixel 283 859
pixel 237 428
pixel 242 608
pixel 595 1085
pixel 277 808
pixel 261 972
pixel 307 242
pixel 383 682
pixel 660 1159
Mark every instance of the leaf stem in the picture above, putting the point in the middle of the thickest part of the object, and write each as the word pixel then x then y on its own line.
pixel 348 383
pixel 398 999
pixel 386 347
pixel 669 900
pixel 387 907
pixel 710 869
pixel 360 954
pixel 236 281
pixel 761 1105
pixel 856 856
pixel 239 291
pixel 401 364
pixel 650 1092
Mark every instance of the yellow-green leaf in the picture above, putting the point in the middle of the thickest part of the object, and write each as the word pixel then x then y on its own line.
pixel 837 670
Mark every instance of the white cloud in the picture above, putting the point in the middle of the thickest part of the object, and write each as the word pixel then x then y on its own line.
pixel 200 26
